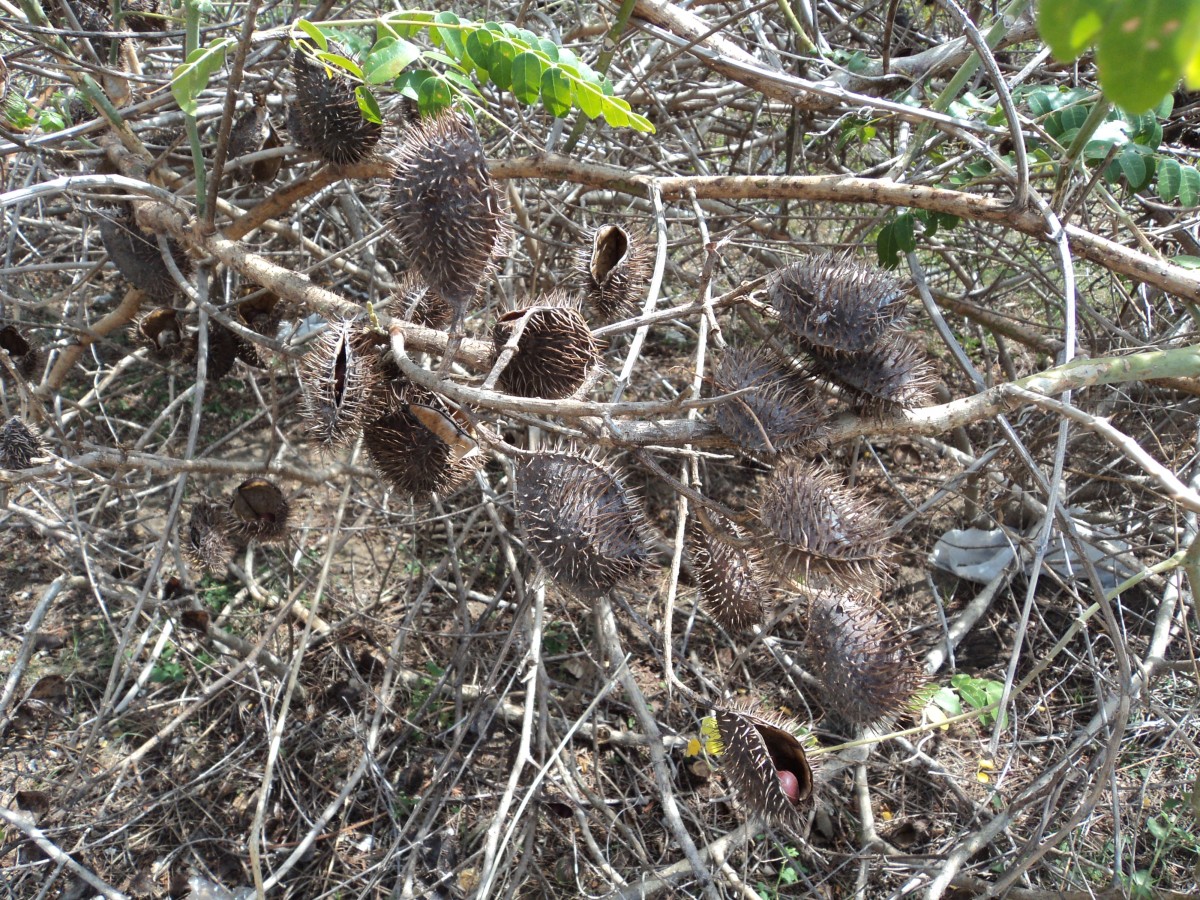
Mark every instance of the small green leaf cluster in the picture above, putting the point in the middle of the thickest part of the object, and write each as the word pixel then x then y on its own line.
pixel 532 68
pixel 18 114
pixel 979 693
pixel 899 236
pixel 1143 47
pixel 191 78
pixel 1133 141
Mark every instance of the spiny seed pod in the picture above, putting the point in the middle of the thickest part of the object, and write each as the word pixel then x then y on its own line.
pixel 729 572
pixel 249 132
pixel 614 269
pixel 20 445
pixel 820 525
pixel 223 347
pixel 259 311
pixel 778 412
pixel 161 330
pixel 138 259
pixel 860 658
pixel 26 359
pixel 206 545
pixel 580 522
pixel 325 118
pixel 259 511
pixel 416 302
pixel 420 450
pixel 555 349
pixel 763 759
pixel 338 381
pixel 445 211
pixel 836 303
pixel 891 376
pixel 144 15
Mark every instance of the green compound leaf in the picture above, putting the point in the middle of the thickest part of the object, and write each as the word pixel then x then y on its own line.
pixel 367 105
pixel 191 78
pixel 527 70
pixel 388 58
pixel 1189 186
pixel 1170 178
pixel 503 53
pixel 556 91
pixel 338 61
pixel 449 38
pixel 315 33
pixel 434 95
pixel 479 49
pixel 588 98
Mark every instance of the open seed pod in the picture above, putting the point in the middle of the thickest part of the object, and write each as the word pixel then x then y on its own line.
pixel 820 526
pixel 338 378
pixel 206 544
pixel 836 303
pixel 763 759
pixel 20 445
pixel 137 257
pixel 555 350
pixel 416 302
pixel 860 658
pixel 444 209
pixel 420 449
pixel 779 411
pixel 614 268
pixel 580 522
pixel 162 332
pixel 325 117
pixel 259 511
pixel 729 571
pixel 26 358
pixel 886 378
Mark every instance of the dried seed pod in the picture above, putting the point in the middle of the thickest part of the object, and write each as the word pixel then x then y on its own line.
pixel 779 411
pixel 264 171
pixel 325 117
pixel 20 445
pixel 886 378
pixel 860 658
pixel 26 358
pixel 555 351
pixel 836 303
pixel 338 380
pixel 161 330
pixel 763 759
pixel 138 259
pixel 259 312
pixel 144 15
pixel 249 132
pixel 223 351
pixel 419 304
pixel 580 522
pixel 614 269
pixel 729 571
pixel 420 450
pixel 445 211
pixel 259 511
pixel 206 546
pixel 820 525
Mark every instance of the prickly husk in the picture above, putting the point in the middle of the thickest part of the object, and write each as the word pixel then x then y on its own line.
pixel 444 208
pixel 338 379
pixel 580 522
pixel 779 410
pixel 860 658
pixel 325 117
pixel 821 527
pixel 206 545
pixel 259 511
pixel 416 302
pixel 20 445
pixel 27 359
pixel 420 450
pixel 885 379
pixel 555 352
pixel 836 303
pixel 137 257
pixel 729 571
pixel 754 748
pixel 614 269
